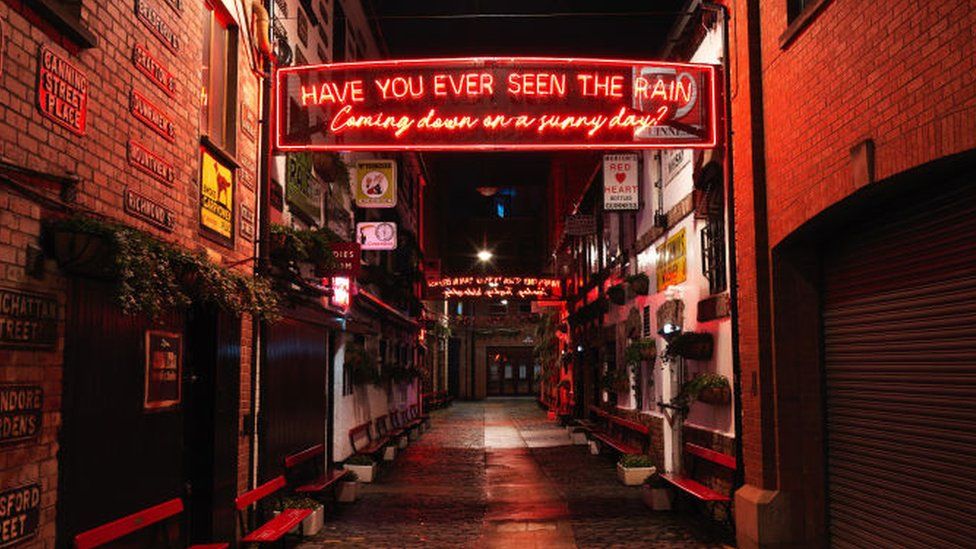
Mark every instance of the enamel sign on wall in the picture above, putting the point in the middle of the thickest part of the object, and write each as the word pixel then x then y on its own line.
pixel 376 184
pixel 620 182
pixel 493 103
pixel 376 235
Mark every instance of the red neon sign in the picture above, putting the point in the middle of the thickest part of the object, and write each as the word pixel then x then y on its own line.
pixel 495 103
pixel 494 287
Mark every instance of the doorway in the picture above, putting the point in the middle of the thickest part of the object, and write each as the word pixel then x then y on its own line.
pixel 511 371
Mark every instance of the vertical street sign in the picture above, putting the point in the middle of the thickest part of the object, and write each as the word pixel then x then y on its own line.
pixel 621 182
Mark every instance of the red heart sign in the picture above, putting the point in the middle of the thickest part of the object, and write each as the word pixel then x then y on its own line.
pixel 620 177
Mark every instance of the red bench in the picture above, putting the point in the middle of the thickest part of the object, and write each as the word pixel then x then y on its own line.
pixel 98 536
pixel 615 431
pixel 316 481
pixel 414 414
pixel 275 529
pixel 362 441
pixel 389 426
pixel 409 419
pixel 692 487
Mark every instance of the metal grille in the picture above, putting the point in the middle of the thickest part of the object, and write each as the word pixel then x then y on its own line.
pixel 900 362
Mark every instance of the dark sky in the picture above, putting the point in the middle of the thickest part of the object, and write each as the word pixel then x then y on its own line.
pixel 459 28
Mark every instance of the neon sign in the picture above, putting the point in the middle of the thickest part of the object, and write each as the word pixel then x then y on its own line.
pixel 494 287
pixel 495 103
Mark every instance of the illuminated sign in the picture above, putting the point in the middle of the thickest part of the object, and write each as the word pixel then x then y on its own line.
pixel 620 182
pixel 341 293
pixel 494 287
pixel 62 91
pixel 377 235
pixel 347 257
pixel 376 184
pixel 671 259
pixel 154 70
pixel 216 197
pixel 496 103
pixel 302 191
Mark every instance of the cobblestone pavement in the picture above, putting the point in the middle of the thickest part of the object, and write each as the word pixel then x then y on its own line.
pixel 497 473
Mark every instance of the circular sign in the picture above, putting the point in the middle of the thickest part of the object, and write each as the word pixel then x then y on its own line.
pixel 385 232
pixel 374 184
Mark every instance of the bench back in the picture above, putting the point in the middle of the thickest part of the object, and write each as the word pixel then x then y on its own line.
pixel 299 458
pixel 358 433
pixel 247 499
pixel 380 423
pixel 718 458
pixel 126 525
pixel 395 420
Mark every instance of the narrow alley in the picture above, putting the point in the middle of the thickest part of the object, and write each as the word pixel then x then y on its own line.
pixel 497 473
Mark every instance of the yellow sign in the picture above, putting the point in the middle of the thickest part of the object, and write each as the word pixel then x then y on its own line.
pixel 216 197
pixel 671 259
pixel 376 184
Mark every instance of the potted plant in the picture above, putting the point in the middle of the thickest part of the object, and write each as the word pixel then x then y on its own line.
pixel 348 488
pixel 617 294
pixel 633 469
pixel 707 387
pixel 363 466
pixel 655 493
pixel 312 524
pixel 640 283
pixel 693 345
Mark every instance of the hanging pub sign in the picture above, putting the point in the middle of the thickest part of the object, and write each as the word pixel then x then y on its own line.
pixel 151 163
pixel 376 184
pixel 216 197
pixel 20 413
pixel 62 91
pixel 28 320
pixel 153 70
pixel 620 182
pixel 302 191
pixel 580 225
pixel 347 259
pixel 164 369
pixel 377 235
pixel 141 207
pixel 496 103
pixel 20 514
pixel 494 287
pixel 671 259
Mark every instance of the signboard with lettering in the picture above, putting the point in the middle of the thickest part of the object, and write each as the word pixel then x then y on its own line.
pixel 375 185
pixel 671 259
pixel 580 225
pixel 494 287
pixel 27 319
pixel 674 162
pixel 496 103
pixel 21 408
pixel 149 114
pixel 62 91
pixel 302 191
pixel 377 235
pixel 151 163
pixel 164 369
pixel 154 70
pixel 20 514
pixel 249 121
pixel 347 256
pixel 620 182
pixel 247 222
pixel 141 207
pixel 156 23
pixel 216 197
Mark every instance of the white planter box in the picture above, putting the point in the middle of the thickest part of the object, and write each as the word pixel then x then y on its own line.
pixel 364 472
pixel 579 437
pixel 594 447
pixel 657 499
pixel 311 525
pixel 346 491
pixel 389 453
pixel 634 476
pixel 402 442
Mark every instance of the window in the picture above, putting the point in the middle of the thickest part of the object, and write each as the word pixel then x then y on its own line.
pixel 795 7
pixel 64 17
pixel 710 205
pixel 218 104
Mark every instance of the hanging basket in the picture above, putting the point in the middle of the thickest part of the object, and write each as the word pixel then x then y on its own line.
pixel 648 350
pixel 715 395
pixel 83 253
pixel 692 345
pixel 640 284
pixel 617 294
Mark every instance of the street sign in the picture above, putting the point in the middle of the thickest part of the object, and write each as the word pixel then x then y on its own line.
pixel 377 235
pixel 580 225
pixel 376 184
pixel 620 182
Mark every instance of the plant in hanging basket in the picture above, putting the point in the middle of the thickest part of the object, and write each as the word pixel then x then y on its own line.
pixel 82 250
pixel 617 294
pixel 640 350
pixel 640 283
pixel 361 365
pixel 691 345
pixel 707 387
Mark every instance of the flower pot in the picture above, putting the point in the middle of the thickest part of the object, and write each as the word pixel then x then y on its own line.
pixel 389 453
pixel 311 525
pixel 634 476
pixel 364 472
pixel 655 498
pixel 579 437
pixel 347 491
pixel 594 447
pixel 692 345
pixel 715 395
pixel 82 253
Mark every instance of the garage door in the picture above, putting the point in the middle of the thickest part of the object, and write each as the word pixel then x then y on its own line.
pixel 900 358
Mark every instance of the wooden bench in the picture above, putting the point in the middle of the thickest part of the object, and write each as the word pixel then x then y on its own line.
pixel 99 536
pixel 305 469
pixel 688 484
pixel 362 441
pixel 613 431
pixel 275 529
pixel 410 419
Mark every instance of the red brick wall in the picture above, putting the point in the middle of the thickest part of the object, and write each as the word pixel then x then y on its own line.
pixel 99 159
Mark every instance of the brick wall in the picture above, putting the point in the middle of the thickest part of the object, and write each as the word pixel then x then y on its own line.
pixel 99 159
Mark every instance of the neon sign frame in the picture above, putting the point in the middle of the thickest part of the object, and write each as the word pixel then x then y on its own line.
pixel 709 105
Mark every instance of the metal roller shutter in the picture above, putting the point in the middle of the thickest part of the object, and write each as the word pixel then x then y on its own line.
pixel 900 359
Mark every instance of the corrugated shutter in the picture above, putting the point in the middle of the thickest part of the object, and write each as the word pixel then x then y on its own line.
pixel 900 358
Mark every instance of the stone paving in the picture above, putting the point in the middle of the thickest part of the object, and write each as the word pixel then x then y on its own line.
pixel 497 473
